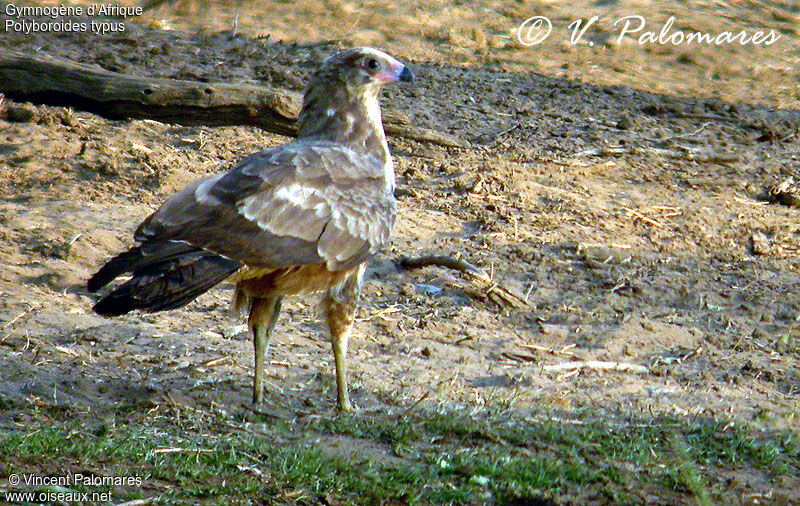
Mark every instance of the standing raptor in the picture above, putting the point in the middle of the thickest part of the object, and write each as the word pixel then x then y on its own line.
pixel 302 217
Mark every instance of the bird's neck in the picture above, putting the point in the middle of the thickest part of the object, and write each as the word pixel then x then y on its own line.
pixel 354 121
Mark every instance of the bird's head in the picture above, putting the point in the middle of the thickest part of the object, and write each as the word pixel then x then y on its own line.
pixel 341 103
pixel 363 70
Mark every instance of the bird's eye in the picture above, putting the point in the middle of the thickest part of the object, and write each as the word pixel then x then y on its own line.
pixel 372 64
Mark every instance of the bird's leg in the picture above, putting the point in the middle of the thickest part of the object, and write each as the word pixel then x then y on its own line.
pixel 340 321
pixel 262 321
pixel 340 303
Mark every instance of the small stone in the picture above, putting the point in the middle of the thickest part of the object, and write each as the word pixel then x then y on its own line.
pixel 761 244
pixel 625 123
pixel 786 192
pixel 553 329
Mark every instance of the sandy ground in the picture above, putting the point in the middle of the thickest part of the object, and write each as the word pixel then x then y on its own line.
pixel 619 185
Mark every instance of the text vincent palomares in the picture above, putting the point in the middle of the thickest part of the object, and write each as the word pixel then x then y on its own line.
pixel 70 480
pixel 536 30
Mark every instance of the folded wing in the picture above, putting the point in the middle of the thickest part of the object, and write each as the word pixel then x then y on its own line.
pixel 309 202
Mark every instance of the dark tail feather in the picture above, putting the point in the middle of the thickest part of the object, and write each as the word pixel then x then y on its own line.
pixel 136 258
pixel 167 284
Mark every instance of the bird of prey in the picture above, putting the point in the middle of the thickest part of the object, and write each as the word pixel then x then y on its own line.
pixel 302 217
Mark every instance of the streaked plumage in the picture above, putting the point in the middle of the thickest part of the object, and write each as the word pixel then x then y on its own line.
pixel 304 216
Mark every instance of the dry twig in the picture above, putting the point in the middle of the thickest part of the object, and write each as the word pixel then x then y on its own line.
pixel 485 283
pixel 518 357
pixel 138 502
pixel 218 361
pixel 14 320
pixel 566 350
pixel 183 450
pixel 642 217
pixel 414 407
pixel 597 365
pixel 681 153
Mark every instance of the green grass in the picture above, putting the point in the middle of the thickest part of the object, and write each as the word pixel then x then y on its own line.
pixel 428 458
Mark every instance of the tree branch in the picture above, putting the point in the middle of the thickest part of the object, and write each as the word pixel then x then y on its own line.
pixel 501 295
pixel 113 95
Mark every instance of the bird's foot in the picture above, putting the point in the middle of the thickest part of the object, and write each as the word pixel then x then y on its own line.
pixel 258 396
pixel 344 406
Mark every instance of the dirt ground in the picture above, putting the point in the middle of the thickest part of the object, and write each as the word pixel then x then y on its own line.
pixel 619 186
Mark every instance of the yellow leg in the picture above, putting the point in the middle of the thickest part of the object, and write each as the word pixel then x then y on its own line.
pixel 262 321
pixel 339 339
pixel 341 302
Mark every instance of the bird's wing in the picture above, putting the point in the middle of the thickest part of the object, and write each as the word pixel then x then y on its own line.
pixel 306 202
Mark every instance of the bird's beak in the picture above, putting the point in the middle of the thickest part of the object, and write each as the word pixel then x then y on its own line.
pixel 406 75
pixel 397 72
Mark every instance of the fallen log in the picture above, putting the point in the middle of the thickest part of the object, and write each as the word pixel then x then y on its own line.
pixel 52 81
